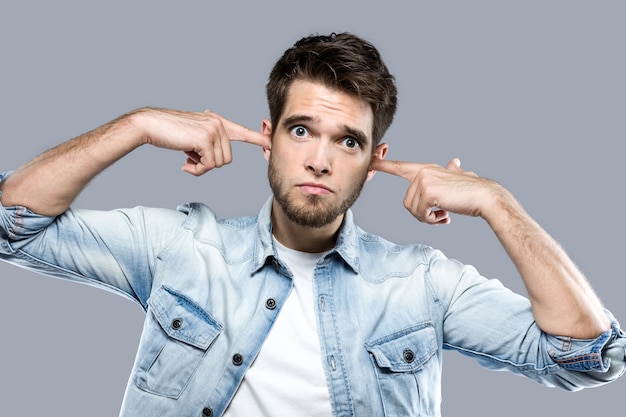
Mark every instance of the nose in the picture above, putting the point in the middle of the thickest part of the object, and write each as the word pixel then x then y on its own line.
pixel 318 161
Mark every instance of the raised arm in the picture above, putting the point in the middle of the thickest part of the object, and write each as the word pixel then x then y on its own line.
pixel 49 183
pixel 563 302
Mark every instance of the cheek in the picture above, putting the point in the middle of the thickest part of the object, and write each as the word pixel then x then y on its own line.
pixel 281 158
pixel 354 172
pixel 283 162
pixel 360 166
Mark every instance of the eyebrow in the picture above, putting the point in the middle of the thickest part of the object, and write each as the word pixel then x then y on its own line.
pixel 302 118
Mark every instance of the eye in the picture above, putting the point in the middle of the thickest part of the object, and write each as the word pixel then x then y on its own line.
pixel 351 143
pixel 299 131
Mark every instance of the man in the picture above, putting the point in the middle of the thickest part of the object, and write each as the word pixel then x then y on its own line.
pixel 298 311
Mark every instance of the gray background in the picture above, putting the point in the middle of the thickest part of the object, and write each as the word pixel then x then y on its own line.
pixel 528 93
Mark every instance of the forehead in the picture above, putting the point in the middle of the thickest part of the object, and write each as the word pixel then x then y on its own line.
pixel 328 106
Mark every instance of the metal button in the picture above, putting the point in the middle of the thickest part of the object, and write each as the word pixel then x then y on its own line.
pixel 237 359
pixel 207 412
pixel 270 304
pixel 177 324
pixel 408 356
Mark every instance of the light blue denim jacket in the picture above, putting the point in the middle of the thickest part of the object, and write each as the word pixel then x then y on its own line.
pixel 212 288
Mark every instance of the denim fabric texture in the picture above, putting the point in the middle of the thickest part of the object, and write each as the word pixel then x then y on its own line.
pixel 212 288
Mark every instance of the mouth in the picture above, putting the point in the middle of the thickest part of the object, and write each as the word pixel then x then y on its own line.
pixel 314 188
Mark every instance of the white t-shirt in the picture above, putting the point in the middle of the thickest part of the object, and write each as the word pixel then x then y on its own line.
pixel 287 377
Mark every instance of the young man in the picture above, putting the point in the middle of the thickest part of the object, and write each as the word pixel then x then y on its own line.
pixel 298 311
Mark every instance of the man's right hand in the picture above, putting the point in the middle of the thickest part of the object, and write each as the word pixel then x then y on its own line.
pixel 49 183
pixel 204 137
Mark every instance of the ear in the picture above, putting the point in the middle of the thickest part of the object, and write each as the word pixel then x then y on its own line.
pixel 380 152
pixel 266 129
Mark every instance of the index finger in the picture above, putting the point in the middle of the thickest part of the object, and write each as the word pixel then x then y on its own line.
pixel 243 134
pixel 406 170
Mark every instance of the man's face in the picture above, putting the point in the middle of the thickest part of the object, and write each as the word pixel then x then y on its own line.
pixel 321 151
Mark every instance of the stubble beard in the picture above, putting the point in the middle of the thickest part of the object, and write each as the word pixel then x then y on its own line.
pixel 314 211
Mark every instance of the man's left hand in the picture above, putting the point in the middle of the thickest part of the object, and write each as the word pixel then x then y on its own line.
pixel 435 192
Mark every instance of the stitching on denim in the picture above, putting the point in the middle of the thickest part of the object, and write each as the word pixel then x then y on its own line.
pixel 56 271
pixel 522 367
pixel 18 223
pixel 566 346
pixel 589 357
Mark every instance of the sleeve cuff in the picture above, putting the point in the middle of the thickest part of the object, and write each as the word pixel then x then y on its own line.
pixel 605 353
pixel 18 223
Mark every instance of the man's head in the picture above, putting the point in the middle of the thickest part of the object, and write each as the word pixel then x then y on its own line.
pixel 331 100
pixel 342 62
pixel 320 155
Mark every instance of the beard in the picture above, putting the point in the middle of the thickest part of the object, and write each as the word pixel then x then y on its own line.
pixel 314 211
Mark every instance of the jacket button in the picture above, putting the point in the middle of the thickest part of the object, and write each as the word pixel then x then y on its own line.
pixel 408 356
pixel 207 412
pixel 237 359
pixel 270 304
pixel 177 324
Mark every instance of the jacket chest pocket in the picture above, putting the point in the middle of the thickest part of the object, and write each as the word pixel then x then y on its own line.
pixel 176 337
pixel 406 366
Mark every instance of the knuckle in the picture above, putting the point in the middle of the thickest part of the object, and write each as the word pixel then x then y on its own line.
pixel 213 127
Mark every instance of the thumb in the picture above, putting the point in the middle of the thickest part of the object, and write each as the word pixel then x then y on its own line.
pixel 454 164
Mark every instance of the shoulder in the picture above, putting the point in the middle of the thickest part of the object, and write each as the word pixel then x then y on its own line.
pixel 200 217
pixel 388 259
pixel 207 227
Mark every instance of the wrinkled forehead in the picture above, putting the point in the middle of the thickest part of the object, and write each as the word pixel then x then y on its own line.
pixel 322 104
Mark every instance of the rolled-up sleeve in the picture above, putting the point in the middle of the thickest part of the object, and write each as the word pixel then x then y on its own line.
pixel 19 223
pixel 495 326
pixel 588 362
pixel 115 250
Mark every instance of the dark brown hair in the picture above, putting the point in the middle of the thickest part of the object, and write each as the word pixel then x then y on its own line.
pixel 343 62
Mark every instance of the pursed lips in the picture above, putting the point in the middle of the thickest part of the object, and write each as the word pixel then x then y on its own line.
pixel 314 188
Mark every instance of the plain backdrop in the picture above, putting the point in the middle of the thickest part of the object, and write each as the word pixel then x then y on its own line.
pixel 531 94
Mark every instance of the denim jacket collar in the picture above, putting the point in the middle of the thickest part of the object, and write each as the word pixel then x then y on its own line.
pixel 264 252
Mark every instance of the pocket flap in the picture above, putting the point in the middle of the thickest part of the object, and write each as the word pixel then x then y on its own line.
pixel 405 351
pixel 183 319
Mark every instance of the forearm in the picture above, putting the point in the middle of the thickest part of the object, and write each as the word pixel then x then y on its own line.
pixel 562 300
pixel 49 183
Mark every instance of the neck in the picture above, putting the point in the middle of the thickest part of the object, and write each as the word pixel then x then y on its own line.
pixel 303 238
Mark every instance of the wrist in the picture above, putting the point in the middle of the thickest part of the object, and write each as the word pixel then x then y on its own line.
pixel 501 207
pixel 137 124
